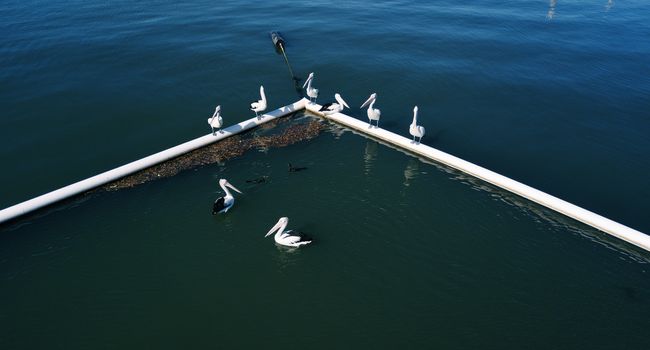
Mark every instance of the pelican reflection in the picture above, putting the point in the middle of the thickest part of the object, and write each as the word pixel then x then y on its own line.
pixel 411 171
pixel 369 156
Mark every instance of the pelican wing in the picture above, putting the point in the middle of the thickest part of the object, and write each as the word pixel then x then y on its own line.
pixel 326 107
pixel 218 205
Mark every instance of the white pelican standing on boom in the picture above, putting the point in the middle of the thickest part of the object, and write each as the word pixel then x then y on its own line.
pixel 222 204
pixel 334 107
pixel 311 92
pixel 216 121
pixel 373 113
pixel 415 129
pixel 260 105
pixel 285 238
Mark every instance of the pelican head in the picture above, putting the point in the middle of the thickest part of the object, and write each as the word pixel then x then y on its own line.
pixel 217 111
pixel 414 129
pixel 224 183
pixel 259 105
pixel 370 100
pixel 340 100
pixel 309 79
pixel 280 225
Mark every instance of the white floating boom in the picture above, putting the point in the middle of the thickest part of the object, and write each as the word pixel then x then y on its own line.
pixel 130 168
pixel 599 222
pixel 563 207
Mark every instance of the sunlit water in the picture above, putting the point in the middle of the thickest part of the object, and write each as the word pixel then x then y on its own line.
pixel 405 253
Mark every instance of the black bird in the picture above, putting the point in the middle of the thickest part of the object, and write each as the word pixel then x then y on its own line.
pixel 259 180
pixel 293 169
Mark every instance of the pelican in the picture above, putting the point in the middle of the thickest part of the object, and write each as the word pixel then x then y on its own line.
pixel 373 113
pixel 216 121
pixel 415 129
pixel 259 106
pixel 222 204
pixel 311 92
pixel 284 238
pixel 334 107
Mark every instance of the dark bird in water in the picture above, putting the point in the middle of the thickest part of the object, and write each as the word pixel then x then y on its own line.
pixel 293 169
pixel 259 180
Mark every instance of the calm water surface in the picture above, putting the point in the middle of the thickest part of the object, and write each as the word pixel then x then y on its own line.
pixel 405 253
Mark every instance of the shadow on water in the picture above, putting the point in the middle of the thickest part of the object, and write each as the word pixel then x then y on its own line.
pixel 542 214
pixel 534 210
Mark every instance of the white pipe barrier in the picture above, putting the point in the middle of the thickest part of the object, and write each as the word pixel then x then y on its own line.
pixel 601 223
pixel 130 168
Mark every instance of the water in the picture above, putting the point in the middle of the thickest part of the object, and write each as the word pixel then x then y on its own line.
pixel 405 254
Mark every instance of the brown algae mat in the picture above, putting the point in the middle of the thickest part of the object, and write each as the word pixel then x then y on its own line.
pixel 281 132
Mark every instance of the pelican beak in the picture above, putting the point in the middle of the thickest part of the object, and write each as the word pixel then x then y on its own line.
pixel 370 99
pixel 307 81
pixel 341 101
pixel 275 228
pixel 233 187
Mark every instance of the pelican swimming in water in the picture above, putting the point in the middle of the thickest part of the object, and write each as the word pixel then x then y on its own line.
pixel 260 105
pixel 289 238
pixel 334 107
pixel 373 113
pixel 216 121
pixel 311 92
pixel 222 204
pixel 415 129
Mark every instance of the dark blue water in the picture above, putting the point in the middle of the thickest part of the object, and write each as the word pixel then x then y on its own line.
pixel 553 94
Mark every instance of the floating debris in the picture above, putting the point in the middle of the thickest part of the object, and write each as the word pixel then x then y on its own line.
pixel 229 148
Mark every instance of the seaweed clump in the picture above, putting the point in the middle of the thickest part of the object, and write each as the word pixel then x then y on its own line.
pixel 223 150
